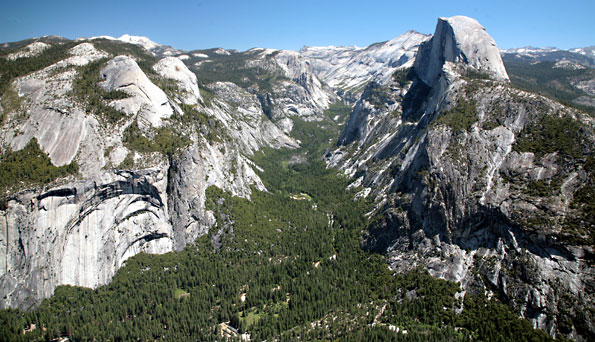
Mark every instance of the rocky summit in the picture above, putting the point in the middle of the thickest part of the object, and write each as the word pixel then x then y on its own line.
pixel 473 170
pixel 463 42
pixel 446 157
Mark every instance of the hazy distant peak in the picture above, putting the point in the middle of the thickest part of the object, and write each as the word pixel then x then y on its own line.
pixel 139 40
pixel 350 68
pixel 530 50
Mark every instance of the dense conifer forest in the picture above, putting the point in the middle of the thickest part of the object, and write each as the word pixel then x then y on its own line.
pixel 284 265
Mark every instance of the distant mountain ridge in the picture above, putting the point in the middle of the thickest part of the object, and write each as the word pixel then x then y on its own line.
pixel 156 49
pixel 449 149
pixel 351 68
pixel 583 56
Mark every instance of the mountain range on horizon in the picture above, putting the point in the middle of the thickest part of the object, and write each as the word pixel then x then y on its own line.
pixel 426 159
pixel 151 46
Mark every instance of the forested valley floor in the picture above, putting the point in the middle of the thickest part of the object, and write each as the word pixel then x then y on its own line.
pixel 285 265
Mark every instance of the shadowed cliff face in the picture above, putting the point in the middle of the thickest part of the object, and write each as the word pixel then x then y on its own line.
pixel 460 40
pixel 464 183
pixel 460 190
pixel 173 142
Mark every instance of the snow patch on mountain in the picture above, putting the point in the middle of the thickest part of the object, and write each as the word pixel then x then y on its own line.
pixel 350 68
pixel 530 50
pixel 588 51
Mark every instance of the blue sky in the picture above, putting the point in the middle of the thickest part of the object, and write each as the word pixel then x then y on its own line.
pixel 284 24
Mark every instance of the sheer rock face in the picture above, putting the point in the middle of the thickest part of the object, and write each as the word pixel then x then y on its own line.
pixel 81 233
pixel 81 229
pixel 460 40
pixel 457 198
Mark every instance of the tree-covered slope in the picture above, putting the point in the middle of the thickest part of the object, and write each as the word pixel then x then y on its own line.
pixel 285 265
pixel 570 84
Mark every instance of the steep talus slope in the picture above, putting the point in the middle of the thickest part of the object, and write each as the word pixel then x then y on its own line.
pixel 145 142
pixel 480 182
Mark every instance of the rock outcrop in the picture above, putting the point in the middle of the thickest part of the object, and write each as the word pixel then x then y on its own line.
pixel 463 41
pixel 81 233
pixel 131 198
pixel 173 68
pixel 351 68
pixel 296 93
pixel 146 99
pixel 441 158
pixel 59 124
pixel 30 50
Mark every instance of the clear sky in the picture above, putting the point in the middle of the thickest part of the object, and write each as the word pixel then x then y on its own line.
pixel 284 24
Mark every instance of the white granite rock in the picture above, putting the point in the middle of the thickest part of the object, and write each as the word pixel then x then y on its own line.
pixel 461 40
pixel 147 100
pixel 173 68
pixel 350 68
pixel 30 50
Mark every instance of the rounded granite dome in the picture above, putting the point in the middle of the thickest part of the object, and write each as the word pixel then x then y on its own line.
pixel 460 40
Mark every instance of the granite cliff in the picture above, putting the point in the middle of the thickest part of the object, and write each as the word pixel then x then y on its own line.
pixel 471 177
pixel 146 143
pixel 477 180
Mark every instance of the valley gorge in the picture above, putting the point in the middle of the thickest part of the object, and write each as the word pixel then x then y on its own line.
pixel 465 174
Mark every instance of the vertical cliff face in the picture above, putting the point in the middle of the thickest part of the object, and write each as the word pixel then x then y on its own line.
pixel 457 164
pixel 464 42
pixel 81 233
pixel 147 145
